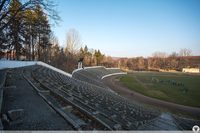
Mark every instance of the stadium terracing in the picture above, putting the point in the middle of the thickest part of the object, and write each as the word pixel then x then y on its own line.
pixel 80 101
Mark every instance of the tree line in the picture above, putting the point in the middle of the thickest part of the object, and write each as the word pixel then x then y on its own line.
pixel 160 60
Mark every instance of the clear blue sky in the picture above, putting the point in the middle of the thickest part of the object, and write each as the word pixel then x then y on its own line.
pixel 129 28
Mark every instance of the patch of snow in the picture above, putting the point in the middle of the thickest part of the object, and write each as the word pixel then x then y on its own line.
pixel 14 64
pixel 76 70
pixel 113 74
pixel 113 68
pixel 94 67
pixel 53 68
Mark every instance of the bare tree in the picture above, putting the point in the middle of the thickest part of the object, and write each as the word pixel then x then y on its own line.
pixel 185 52
pixel 173 54
pixel 73 42
pixel 159 54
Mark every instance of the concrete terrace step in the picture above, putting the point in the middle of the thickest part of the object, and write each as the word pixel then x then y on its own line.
pixel 165 122
pixel 37 113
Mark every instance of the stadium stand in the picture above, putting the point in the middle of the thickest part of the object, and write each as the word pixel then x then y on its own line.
pixel 94 75
pixel 85 103
pixel 110 110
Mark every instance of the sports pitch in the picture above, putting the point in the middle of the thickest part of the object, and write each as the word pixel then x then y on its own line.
pixel 180 88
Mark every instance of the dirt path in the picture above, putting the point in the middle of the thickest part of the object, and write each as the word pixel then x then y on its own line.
pixel 132 95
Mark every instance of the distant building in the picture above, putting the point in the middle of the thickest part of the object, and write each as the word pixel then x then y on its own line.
pixel 191 70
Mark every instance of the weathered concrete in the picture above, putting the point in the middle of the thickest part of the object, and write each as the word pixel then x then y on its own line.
pixel 37 113
pixel 15 114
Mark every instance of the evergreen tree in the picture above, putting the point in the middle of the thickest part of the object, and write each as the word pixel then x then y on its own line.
pixel 15 29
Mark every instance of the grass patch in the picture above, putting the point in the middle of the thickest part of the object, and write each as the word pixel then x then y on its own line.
pixel 186 94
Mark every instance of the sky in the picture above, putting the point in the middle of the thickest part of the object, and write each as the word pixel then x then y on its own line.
pixel 130 28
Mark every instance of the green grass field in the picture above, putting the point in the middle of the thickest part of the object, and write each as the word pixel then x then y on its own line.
pixel 179 88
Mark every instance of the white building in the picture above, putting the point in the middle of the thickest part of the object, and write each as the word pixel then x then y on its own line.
pixel 191 70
